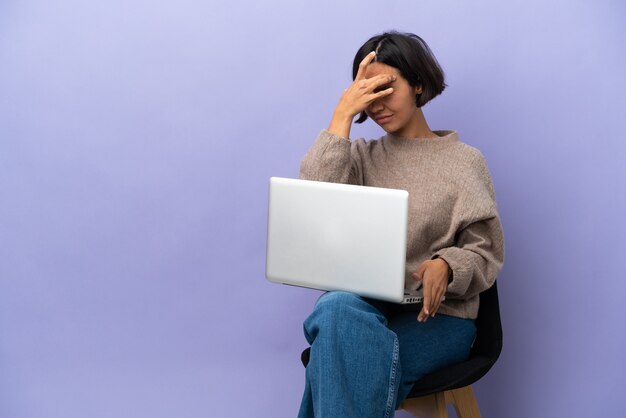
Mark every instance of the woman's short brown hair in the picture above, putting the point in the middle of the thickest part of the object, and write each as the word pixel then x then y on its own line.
pixel 411 56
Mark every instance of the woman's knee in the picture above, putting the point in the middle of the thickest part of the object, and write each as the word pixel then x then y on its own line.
pixel 338 298
pixel 337 305
pixel 337 310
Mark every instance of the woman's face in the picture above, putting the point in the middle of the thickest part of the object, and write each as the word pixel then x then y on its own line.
pixel 397 112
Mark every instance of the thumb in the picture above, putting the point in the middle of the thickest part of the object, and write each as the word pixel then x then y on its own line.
pixel 419 273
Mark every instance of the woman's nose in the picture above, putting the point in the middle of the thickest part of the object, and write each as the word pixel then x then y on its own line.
pixel 375 106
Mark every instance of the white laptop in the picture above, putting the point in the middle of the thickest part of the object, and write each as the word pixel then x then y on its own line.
pixel 332 236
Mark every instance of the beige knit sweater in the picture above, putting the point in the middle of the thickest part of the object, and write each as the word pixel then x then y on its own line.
pixel 452 207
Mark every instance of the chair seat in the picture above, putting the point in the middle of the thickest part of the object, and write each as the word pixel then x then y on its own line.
pixel 452 377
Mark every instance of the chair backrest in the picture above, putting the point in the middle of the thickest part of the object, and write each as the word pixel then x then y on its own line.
pixel 488 341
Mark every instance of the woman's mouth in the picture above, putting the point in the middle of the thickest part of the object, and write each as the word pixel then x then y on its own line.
pixel 381 120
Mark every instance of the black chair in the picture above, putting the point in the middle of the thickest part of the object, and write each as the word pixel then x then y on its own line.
pixel 452 384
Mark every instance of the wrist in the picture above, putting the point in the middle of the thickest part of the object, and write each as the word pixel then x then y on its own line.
pixel 340 124
pixel 340 115
pixel 446 266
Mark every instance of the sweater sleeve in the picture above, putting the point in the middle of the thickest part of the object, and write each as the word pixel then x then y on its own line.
pixel 333 159
pixel 478 253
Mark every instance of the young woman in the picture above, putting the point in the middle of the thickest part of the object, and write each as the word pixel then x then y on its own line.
pixel 366 355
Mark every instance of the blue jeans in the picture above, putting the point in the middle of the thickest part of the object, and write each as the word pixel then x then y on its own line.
pixel 366 355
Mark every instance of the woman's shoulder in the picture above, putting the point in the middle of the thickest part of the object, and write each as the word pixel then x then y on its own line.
pixel 468 150
pixel 474 171
pixel 470 155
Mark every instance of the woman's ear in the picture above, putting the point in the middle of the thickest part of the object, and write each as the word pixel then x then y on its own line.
pixel 418 90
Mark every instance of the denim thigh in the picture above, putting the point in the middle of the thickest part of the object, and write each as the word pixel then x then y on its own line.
pixel 441 341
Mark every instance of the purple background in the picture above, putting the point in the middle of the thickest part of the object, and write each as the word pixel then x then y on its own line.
pixel 136 142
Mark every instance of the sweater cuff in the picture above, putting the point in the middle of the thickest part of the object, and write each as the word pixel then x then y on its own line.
pixel 329 136
pixel 329 159
pixel 461 267
pixel 329 142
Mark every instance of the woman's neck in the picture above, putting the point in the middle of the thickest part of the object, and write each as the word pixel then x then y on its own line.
pixel 417 127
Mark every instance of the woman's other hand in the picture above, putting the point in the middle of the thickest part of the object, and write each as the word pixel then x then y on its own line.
pixel 358 96
pixel 434 276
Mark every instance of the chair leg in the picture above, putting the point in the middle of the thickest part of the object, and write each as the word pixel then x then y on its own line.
pixel 464 402
pixel 431 406
pixel 434 406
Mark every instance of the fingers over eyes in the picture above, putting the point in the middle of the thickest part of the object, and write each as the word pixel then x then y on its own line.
pixel 363 65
